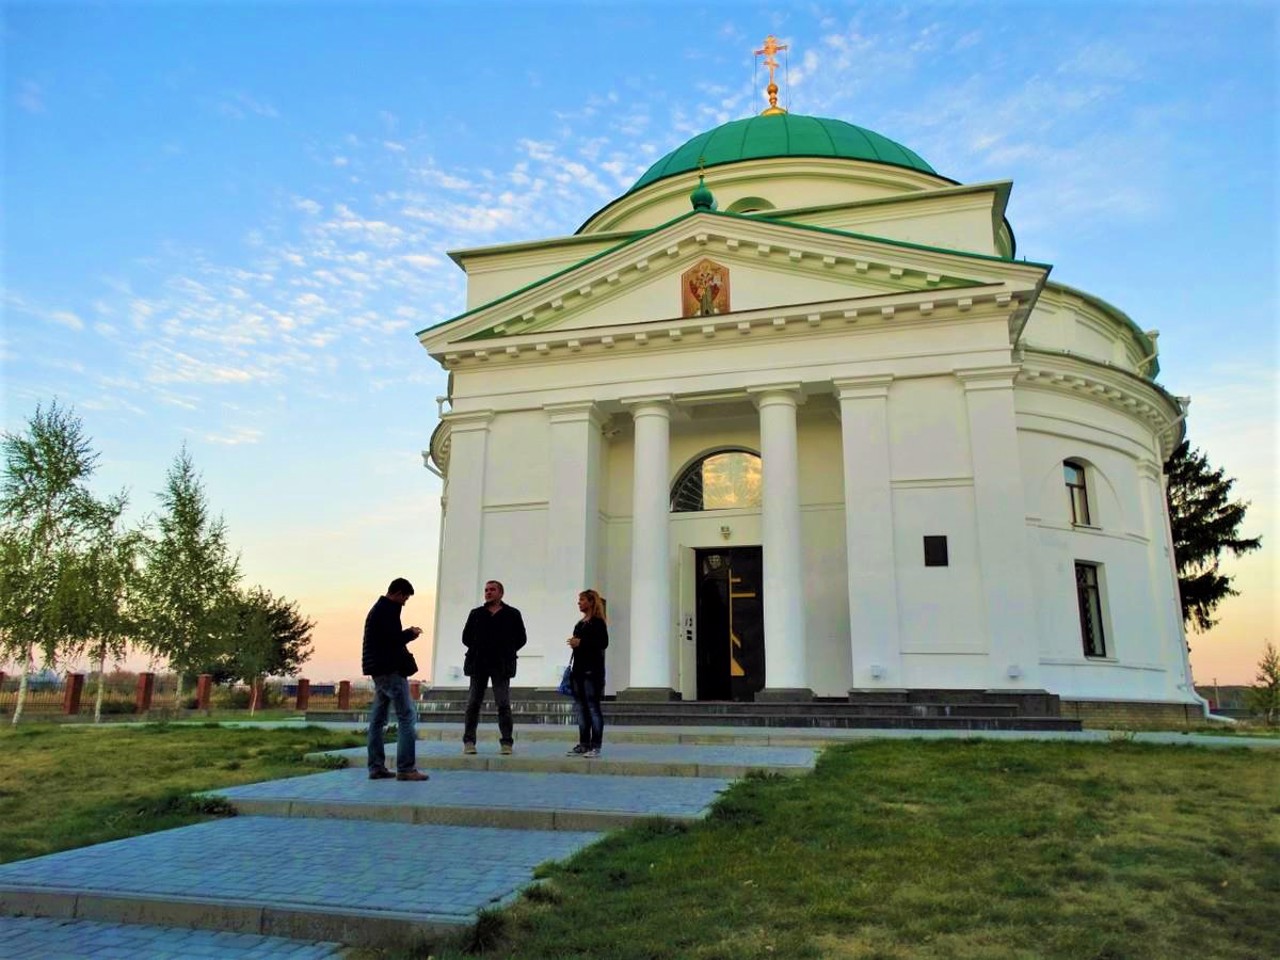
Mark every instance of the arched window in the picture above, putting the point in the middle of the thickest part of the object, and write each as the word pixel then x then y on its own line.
pixel 1077 492
pixel 749 205
pixel 719 481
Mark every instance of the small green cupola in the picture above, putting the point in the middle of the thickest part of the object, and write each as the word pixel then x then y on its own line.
pixel 702 198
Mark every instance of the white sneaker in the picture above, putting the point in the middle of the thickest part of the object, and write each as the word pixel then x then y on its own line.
pixel 592 754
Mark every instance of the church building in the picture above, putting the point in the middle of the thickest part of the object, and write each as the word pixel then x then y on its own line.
pixel 796 408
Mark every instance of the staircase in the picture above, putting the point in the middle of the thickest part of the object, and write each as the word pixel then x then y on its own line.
pixel 865 709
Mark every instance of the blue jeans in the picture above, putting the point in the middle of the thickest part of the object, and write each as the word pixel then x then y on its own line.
pixel 392 689
pixel 586 696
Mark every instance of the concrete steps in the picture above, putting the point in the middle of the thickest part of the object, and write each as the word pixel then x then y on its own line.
pixel 978 710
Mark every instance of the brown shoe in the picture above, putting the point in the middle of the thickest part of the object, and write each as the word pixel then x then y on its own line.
pixel 412 775
pixel 505 750
pixel 468 748
pixel 381 773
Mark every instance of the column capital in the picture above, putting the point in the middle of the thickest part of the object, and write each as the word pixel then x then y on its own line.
pixel 577 411
pixel 988 378
pixel 658 404
pixel 468 420
pixel 774 393
pixel 870 387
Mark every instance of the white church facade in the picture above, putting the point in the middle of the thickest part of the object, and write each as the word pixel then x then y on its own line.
pixel 812 429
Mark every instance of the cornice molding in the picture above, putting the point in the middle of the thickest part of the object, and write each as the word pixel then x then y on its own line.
pixel 817 250
pixel 910 307
pixel 1109 385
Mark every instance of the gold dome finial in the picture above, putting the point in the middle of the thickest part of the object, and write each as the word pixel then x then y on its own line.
pixel 771 46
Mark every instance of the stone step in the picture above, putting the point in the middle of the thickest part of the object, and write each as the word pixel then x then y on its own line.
pixel 914 717
pixel 482 798
pixel 724 761
pixel 353 882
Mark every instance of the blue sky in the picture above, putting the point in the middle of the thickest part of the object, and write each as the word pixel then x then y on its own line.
pixel 224 222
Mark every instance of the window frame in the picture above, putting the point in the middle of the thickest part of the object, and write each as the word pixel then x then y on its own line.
pixel 696 464
pixel 1091 608
pixel 1078 493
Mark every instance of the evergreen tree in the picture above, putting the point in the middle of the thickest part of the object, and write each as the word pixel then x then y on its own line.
pixel 1265 697
pixel 47 514
pixel 1204 522
pixel 190 576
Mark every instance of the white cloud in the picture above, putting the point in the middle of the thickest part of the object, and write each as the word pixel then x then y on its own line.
pixel 30 97
pixel 235 437
pixel 65 318
pixel 238 106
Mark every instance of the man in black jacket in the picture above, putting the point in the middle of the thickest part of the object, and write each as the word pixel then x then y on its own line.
pixel 493 634
pixel 386 658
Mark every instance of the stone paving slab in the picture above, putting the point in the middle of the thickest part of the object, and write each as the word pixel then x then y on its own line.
pixel 726 761
pixel 41 938
pixel 537 801
pixel 353 882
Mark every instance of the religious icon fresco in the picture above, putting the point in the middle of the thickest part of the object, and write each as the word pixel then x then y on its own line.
pixel 704 289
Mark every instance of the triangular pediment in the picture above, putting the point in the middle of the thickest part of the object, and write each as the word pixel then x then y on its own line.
pixel 761 264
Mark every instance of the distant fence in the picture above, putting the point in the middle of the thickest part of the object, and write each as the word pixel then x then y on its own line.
pixel 75 694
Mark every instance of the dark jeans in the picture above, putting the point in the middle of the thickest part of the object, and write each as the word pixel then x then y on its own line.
pixel 391 689
pixel 586 697
pixel 480 678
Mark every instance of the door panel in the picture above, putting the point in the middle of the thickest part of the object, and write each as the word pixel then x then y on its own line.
pixel 730 623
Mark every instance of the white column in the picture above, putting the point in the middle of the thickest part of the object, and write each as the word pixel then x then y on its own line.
pixel 875 645
pixel 651 624
pixel 1166 613
pixel 573 515
pixel 459 578
pixel 784 609
pixel 1000 513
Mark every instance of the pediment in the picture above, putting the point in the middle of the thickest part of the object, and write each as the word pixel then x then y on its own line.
pixel 766 265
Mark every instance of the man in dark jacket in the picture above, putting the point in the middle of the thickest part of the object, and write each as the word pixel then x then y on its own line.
pixel 493 634
pixel 386 658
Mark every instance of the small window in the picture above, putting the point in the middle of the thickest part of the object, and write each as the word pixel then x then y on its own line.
pixel 1089 598
pixel 720 481
pixel 935 551
pixel 1077 493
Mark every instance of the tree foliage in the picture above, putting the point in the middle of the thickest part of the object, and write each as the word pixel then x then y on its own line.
pixel 191 574
pixel 270 637
pixel 1205 523
pixel 1264 698
pixel 48 520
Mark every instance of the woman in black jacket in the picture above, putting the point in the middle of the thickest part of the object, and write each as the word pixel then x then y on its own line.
pixel 589 640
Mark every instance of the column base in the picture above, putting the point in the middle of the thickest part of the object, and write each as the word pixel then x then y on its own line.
pixel 784 695
pixel 648 694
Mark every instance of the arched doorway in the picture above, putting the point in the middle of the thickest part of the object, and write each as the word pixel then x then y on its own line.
pixel 727 603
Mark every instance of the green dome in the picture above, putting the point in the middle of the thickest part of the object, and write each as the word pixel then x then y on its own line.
pixel 782 135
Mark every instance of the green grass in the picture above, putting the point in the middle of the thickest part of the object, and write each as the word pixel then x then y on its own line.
pixel 64 787
pixel 959 850
pixel 892 850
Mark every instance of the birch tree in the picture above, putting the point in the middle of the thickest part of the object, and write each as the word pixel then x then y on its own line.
pixel 46 511
pixel 107 583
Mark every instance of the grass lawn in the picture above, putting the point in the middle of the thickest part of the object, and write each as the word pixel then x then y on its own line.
pixel 64 787
pixel 964 850
pixel 959 850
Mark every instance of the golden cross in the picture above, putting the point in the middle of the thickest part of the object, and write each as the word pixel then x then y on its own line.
pixel 771 46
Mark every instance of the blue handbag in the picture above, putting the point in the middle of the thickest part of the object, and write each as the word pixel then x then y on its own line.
pixel 566 680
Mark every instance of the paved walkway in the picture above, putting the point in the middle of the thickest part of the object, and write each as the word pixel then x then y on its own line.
pixel 41 938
